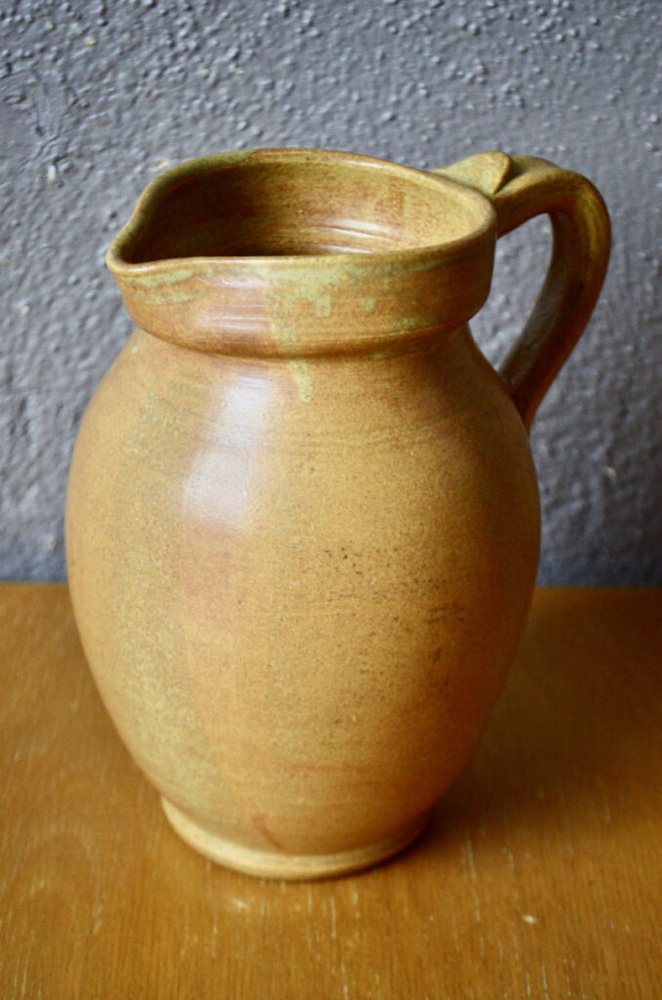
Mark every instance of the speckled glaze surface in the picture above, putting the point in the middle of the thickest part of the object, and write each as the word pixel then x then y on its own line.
pixel 302 522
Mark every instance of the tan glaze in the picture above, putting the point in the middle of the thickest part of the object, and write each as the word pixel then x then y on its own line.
pixel 302 521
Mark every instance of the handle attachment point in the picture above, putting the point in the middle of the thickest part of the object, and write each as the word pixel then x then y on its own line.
pixel 486 172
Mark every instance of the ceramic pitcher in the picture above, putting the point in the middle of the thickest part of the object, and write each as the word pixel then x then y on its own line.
pixel 302 521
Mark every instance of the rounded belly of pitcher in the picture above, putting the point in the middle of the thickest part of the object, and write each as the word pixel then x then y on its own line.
pixel 299 609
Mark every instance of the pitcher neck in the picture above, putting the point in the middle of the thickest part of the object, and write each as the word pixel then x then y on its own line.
pixel 303 252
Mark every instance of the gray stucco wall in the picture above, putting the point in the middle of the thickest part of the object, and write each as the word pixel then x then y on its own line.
pixel 98 97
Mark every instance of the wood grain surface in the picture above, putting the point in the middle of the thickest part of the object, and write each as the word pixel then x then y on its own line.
pixel 540 876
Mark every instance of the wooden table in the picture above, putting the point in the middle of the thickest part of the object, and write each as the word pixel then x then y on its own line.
pixel 540 876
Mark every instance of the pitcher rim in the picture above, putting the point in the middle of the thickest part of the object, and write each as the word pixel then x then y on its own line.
pixel 167 181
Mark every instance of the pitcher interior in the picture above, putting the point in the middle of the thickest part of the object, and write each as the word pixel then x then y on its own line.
pixel 293 203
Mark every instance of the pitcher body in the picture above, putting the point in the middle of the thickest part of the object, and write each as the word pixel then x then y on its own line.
pixel 302 523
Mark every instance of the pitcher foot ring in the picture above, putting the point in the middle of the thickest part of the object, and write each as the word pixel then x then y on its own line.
pixel 272 864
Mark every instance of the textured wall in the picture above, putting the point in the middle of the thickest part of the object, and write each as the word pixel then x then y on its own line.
pixel 98 97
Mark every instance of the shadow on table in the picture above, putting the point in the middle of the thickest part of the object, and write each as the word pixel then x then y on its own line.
pixel 575 732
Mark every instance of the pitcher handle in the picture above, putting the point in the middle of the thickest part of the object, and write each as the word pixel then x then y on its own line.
pixel 521 187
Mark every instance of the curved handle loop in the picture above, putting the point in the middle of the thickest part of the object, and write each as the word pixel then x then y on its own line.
pixel 521 187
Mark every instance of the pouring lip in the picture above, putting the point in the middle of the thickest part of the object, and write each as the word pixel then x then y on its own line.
pixel 147 205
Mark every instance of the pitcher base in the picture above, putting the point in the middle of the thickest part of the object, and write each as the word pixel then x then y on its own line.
pixel 270 864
